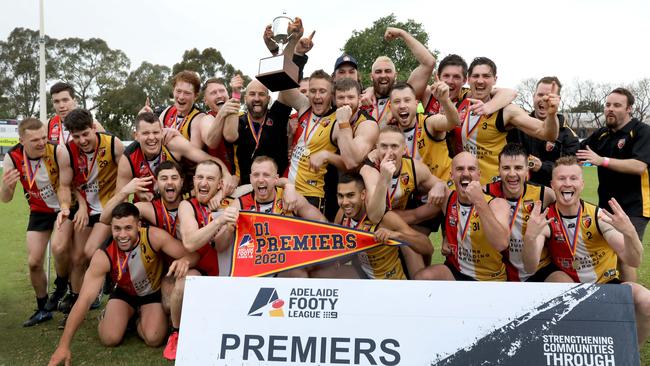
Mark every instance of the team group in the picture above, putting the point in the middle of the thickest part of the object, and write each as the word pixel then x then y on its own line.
pixel 502 185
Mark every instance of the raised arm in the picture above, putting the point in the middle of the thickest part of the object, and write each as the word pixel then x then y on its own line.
pixel 354 148
pixel 621 235
pixel 442 122
pixel 421 74
pixel 547 130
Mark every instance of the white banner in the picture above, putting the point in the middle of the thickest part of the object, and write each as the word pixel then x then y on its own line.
pixel 273 321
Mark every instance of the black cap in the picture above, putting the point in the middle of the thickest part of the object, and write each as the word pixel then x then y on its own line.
pixel 345 59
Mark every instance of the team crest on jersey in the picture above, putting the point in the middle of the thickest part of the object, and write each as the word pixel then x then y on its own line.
pixel 586 221
pixel 143 168
pixel 550 146
pixel 620 143
pixel 528 205
pixel 101 152
pixel 404 178
pixel 269 122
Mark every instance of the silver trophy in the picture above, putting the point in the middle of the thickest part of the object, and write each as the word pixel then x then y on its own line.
pixel 279 72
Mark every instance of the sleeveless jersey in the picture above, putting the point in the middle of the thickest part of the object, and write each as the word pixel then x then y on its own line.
pixel 519 214
pixel 484 137
pixel 56 133
pixel 171 119
pixel 165 219
pixel 140 166
pixel 95 173
pixel 209 262
pixel 40 178
pixel 314 134
pixel 471 253
pixel 383 262
pixel 248 203
pixel 380 111
pixel 138 272
pixel 578 247
pixel 420 145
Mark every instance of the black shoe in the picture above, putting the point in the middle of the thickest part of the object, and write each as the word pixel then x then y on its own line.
pixel 66 303
pixel 38 317
pixel 98 301
pixel 53 300
pixel 63 321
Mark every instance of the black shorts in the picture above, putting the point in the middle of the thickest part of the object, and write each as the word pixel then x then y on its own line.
pixel 93 219
pixel 135 301
pixel 41 221
pixel 317 202
pixel 457 275
pixel 542 273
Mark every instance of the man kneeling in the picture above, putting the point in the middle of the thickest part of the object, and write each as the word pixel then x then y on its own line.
pixel 133 260
pixel 577 233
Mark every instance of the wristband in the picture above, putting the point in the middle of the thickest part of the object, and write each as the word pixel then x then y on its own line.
pixel 605 163
pixel 344 125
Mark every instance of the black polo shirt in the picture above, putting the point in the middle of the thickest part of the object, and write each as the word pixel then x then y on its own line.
pixel 273 141
pixel 630 142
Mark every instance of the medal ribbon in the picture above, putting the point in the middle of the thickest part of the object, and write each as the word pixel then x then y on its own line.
pixel 383 111
pixel 167 218
pixel 514 213
pixel 307 136
pixel 469 216
pixel 571 244
pixel 392 193
pixel 359 223
pixel 86 173
pixel 466 121
pixel 205 214
pixel 415 140
pixel 31 174
pixel 257 134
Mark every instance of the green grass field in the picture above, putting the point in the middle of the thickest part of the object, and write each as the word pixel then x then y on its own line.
pixel 33 346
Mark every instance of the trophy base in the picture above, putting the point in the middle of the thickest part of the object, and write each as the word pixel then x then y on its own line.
pixel 278 73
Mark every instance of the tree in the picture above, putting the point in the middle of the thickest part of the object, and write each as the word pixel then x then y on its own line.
pixel 641 91
pixel 368 44
pixel 208 63
pixel 525 91
pixel 91 67
pixel 587 99
pixel 118 107
pixel 19 72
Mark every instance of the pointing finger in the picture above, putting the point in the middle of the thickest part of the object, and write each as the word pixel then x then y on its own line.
pixel 311 36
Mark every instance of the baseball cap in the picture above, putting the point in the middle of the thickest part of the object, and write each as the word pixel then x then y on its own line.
pixel 345 59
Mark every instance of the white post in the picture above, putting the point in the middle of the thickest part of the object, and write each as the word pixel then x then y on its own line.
pixel 43 100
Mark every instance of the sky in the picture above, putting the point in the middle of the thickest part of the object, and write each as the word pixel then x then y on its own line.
pixel 605 41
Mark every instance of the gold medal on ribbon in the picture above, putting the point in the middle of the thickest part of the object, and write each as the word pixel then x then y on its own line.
pixel 306 152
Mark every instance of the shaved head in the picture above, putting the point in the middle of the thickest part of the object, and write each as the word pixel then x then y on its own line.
pixel 464 158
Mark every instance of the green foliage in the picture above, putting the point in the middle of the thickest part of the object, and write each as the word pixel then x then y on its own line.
pixel 19 74
pixel 208 63
pixel 119 106
pixel 368 44
pixel 91 67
